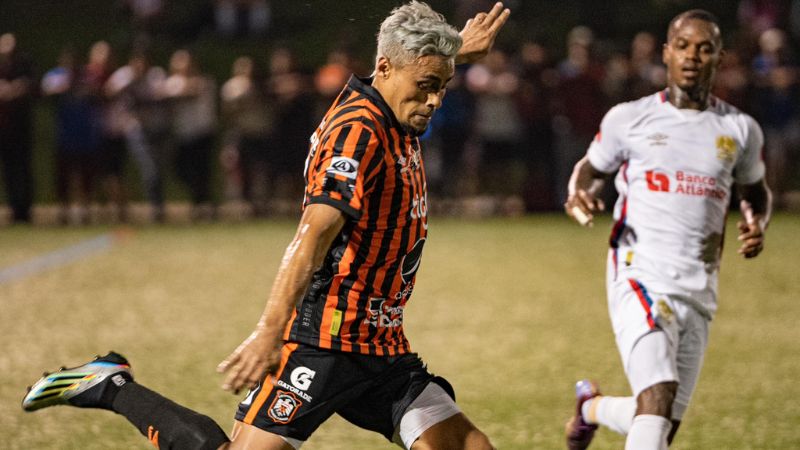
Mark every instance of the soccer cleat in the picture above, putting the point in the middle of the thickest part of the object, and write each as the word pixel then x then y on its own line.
pixel 579 433
pixel 92 385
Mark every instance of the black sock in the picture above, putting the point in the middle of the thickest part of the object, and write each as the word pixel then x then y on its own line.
pixel 103 399
pixel 162 421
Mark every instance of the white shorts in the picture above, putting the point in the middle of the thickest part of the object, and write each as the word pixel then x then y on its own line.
pixel 430 407
pixel 676 338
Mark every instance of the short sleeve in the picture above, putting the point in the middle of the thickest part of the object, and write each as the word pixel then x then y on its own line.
pixel 607 151
pixel 749 166
pixel 342 168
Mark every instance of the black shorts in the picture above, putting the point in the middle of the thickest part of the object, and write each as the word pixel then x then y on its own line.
pixel 372 392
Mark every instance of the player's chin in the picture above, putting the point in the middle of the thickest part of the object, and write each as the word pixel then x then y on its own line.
pixel 417 127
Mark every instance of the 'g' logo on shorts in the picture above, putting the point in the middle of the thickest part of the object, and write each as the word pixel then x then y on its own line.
pixel 301 377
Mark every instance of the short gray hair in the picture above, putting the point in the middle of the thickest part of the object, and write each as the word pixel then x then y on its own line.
pixel 414 30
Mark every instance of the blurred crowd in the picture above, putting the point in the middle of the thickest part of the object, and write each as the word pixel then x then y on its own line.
pixel 511 127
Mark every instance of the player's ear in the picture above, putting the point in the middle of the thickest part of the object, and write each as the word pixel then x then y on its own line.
pixel 383 67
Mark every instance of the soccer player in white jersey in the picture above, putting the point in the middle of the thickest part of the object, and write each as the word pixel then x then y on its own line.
pixel 677 154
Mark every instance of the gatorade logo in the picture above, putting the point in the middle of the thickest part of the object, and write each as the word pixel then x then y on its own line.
pixel 301 377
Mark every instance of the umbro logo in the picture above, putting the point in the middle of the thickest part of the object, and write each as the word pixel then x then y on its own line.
pixel 658 139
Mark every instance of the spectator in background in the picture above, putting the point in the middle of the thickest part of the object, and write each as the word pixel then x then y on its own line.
pixel 17 86
pixel 242 17
pixel 248 123
pixel 291 94
pixel 141 115
pixel 777 106
pixel 758 16
pixel 78 137
pixel 146 15
pixel 538 78
pixel 193 102
pixel 329 79
pixel 498 126
pixel 647 70
pixel 579 105
pixel 733 80
pixel 450 130
pixel 112 153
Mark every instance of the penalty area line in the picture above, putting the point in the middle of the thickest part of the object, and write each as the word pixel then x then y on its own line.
pixel 62 256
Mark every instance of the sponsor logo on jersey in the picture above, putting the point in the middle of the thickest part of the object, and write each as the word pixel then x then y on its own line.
pixel 381 315
pixel 412 259
pixel 344 166
pixel 283 407
pixel 658 139
pixel 419 208
pixel 685 183
pixel 411 163
pixel 656 181
pixel 726 148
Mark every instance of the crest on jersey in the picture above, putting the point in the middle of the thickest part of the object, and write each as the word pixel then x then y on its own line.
pixel 283 407
pixel 726 148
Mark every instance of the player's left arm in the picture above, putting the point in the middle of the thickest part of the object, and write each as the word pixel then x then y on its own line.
pixel 480 32
pixel 756 207
pixel 755 196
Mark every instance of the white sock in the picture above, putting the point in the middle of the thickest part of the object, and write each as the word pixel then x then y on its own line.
pixel 616 413
pixel 648 432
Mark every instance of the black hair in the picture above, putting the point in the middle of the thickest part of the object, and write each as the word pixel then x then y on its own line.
pixel 698 14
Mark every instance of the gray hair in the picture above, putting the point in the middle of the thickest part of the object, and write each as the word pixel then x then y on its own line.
pixel 414 30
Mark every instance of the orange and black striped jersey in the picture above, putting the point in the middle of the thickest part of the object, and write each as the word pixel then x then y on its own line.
pixel 362 162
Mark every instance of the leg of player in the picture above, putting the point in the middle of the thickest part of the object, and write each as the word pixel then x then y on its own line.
pixel 246 436
pixel 593 409
pixel 456 432
pixel 433 421
pixel 652 371
pixel 107 383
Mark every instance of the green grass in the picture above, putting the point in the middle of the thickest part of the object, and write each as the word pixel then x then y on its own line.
pixel 511 311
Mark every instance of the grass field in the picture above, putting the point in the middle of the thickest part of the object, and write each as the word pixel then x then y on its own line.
pixel 511 311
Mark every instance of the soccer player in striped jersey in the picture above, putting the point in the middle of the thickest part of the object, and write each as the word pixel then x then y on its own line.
pixel 677 154
pixel 331 337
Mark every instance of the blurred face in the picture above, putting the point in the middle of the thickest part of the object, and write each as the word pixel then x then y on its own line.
pixel 415 91
pixel 692 55
pixel 100 53
pixel 180 62
pixel 7 43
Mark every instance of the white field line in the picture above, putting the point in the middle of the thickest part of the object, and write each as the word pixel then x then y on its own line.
pixel 57 258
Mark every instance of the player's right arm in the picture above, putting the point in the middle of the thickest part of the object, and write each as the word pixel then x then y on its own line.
pixel 260 353
pixel 585 184
pixel 605 155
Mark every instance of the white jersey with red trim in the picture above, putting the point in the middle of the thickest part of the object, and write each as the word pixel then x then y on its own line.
pixel 676 170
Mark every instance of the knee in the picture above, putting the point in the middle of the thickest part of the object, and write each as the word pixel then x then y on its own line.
pixel 477 440
pixel 657 399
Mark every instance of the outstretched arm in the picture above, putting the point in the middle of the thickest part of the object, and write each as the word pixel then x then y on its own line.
pixel 261 352
pixel 480 32
pixel 585 184
pixel 756 207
